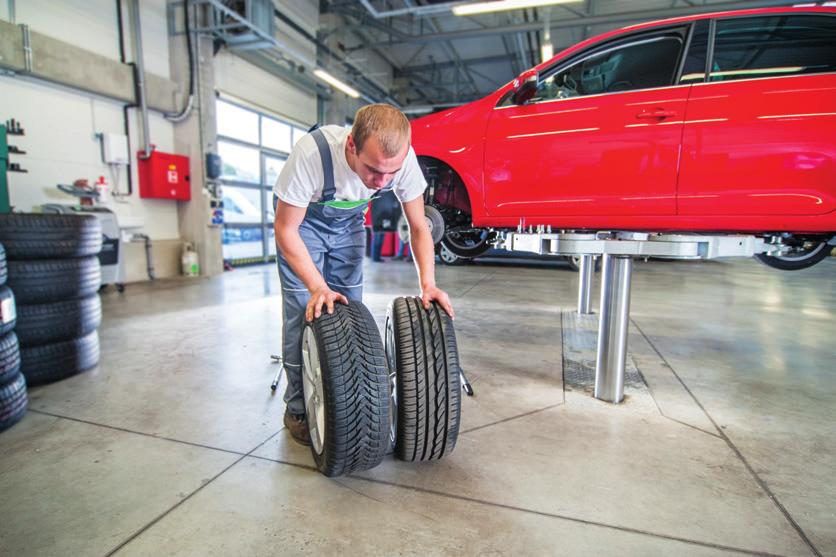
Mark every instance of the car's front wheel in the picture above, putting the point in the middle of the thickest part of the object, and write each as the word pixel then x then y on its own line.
pixel 801 256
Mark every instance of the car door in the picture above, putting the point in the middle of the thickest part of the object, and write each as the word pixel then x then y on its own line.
pixel 759 131
pixel 600 137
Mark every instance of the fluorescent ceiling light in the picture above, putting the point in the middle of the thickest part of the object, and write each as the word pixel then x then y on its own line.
pixel 503 5
pixel 546 51
pixel 334 82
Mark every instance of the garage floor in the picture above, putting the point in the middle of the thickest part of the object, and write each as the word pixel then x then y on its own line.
pixel 725 443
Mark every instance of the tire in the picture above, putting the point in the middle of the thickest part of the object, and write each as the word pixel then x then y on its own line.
pixel 352 390
pixel 448 257
pixel 47 236
pixel 8 310
pixel 57 321
pixel 54 280
pixel 4 273
pixel 9 358
pixel 807 257
pixel 469 243
pixel 51 362
pixel 13 401
pixel 422 351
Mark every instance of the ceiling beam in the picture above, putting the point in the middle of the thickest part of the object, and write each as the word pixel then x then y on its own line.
pixel 420 68
pixel 608 19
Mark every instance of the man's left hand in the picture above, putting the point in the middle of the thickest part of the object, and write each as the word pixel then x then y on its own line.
pixel 433 293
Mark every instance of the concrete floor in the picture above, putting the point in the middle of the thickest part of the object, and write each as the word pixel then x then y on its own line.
pixel 724 444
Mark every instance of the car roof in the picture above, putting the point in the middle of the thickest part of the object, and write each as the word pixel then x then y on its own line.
pixel 685 19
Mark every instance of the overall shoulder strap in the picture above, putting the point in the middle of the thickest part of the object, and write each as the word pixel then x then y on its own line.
pixel 329 189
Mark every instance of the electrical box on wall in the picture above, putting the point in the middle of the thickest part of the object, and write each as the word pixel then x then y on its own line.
pixel 114 148
pixel 164 176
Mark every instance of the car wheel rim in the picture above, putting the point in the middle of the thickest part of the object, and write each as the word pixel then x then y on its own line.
pixel 392 361
pixel 804 251
pixel 447 256
pixel 312 390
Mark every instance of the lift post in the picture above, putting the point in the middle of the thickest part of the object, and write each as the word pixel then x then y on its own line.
pixel 585 271
pixel 618 250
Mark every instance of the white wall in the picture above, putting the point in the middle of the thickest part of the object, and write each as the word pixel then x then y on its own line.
pixel 61 124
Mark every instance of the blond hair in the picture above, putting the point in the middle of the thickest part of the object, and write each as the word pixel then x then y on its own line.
pixel 386 123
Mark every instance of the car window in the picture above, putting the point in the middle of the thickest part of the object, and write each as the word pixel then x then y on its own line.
pixel 650 62
pixel 772 46
pixel 693 70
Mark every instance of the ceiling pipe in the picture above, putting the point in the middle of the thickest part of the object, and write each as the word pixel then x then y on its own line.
pixel 608 19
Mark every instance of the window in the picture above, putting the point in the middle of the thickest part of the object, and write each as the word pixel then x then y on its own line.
pixel 253 148
pixel 238 163
pixel 276 135
pixel 272 168
pixel 751 47
pixel 236 122
pixel 241 205
pixel 694 69
pixel 640 64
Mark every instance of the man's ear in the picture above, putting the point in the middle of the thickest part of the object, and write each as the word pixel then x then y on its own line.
pixel 352 148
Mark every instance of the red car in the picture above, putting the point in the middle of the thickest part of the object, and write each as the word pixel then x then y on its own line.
pixel 721 122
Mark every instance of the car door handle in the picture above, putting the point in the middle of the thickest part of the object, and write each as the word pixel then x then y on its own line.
pixel 655 114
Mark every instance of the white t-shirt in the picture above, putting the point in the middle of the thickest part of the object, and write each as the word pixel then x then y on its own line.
pixel 301 180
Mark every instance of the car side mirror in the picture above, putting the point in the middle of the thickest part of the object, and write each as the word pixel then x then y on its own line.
pixel 525 86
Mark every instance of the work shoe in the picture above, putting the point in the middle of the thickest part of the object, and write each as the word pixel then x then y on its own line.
pixel 297 425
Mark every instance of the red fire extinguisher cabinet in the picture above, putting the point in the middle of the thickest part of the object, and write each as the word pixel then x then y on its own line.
pixel 164 176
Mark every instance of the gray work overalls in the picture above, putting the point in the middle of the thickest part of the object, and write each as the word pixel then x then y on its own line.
pixel 334 234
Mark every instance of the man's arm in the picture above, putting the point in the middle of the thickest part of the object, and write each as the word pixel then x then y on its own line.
pixel 286 225
pixel 421 243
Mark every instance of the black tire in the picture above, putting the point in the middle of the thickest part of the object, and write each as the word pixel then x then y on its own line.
pixel 354 390
pixel 447 257
pixel 805 257
pixel 54 280
pixel 8 310
pixel 13 402
pixel 9 358
pixel 47 236
pixel 4 273
pixel 421 348
pixel 51 362
pixel 469 243
pixel 57 321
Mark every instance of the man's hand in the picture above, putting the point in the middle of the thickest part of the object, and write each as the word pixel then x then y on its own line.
pixel 433 293
pixel 323 297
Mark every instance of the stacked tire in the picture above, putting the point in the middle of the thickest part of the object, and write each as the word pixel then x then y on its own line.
pixel 54 271
pixel 13 399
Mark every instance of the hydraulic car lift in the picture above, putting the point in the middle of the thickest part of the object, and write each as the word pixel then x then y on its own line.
pixel 618 250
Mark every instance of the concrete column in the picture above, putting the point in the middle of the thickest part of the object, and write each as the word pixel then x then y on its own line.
pixel 194 137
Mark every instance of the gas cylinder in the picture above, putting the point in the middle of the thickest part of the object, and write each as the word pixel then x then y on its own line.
pixel 190 263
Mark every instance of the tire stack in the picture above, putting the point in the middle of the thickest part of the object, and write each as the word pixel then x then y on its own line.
pixel 13 399
pixel 54 272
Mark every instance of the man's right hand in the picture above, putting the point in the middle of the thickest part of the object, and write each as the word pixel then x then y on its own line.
pixel 322 297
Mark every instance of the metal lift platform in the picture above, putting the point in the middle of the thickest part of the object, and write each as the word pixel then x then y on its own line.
pixel 618 250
